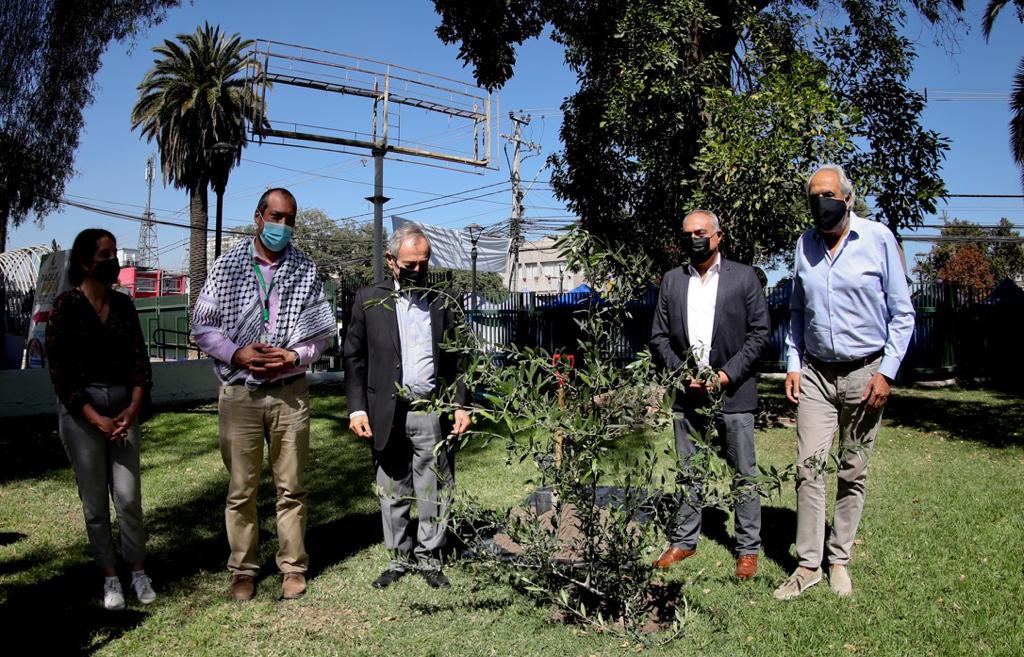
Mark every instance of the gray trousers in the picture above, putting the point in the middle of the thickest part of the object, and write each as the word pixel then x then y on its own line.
pixel 737 431
pixel 407 466
pixel 830 399
pixel 106 469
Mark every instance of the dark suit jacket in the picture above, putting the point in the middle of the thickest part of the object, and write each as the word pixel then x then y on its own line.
pixel 373 357
pixel 739 334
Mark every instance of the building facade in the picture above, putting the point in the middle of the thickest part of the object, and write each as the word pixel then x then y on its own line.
pixel 542 269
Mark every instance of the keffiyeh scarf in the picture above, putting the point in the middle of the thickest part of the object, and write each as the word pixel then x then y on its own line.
pixel 230 303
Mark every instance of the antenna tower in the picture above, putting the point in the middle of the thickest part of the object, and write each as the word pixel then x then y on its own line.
pixel 147 229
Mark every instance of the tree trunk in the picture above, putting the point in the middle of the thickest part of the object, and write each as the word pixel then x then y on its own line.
pixel 199 220
pixel 5 214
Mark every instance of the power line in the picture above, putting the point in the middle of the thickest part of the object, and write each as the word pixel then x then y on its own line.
pixel 437 197
pixel 163 222
pixel 971 225
pixel 963 238
pixel 459 199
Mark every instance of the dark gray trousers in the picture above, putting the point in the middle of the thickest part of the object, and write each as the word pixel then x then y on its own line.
pixel 737 431
pixel 106 469
pixel 408 467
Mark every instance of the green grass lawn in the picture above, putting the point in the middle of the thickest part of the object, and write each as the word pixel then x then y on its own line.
pixel 937 569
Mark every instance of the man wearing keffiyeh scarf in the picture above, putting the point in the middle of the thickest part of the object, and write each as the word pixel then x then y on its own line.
pixel 263 317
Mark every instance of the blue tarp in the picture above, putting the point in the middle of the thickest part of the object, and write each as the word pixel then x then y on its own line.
pixel 578 296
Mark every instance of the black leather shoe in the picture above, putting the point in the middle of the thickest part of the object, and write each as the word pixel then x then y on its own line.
pixel 387 578
pixel 436 579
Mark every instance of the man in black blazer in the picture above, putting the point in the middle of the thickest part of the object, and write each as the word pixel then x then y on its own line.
pixel 393 357
pixel 712 316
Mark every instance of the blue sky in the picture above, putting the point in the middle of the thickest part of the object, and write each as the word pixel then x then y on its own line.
pixel 110 160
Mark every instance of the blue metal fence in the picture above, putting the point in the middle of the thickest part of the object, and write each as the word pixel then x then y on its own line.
pixel 958 332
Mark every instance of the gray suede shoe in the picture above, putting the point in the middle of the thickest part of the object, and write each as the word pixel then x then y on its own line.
pixel 839 580
pixel 801 580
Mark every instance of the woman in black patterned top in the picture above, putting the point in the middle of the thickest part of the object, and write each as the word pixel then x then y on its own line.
pixel 101 374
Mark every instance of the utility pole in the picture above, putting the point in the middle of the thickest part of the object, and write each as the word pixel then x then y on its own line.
pixel 378 200
pixel 147 230
pixel 515 229
pixel 380 141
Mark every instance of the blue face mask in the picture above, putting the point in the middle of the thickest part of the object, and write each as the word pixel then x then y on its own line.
pixel 275 236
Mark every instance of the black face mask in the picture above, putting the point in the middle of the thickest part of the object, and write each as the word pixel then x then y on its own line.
pixel 107 271
pixel 700 249
pixel 408 277
pixel 827 212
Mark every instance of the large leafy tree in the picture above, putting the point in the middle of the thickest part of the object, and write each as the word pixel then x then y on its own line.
pixel 340 250
pixel 345 251
pixel 51 51
pixel 968 267
pixel 724 104
pixel 992 11
pixel 193 98
pixel 952 261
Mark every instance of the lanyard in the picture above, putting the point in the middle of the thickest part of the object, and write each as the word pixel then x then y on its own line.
pixel 266 291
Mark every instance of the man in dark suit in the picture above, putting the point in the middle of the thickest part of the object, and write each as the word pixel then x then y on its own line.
pixel 393 357
pixel 712 317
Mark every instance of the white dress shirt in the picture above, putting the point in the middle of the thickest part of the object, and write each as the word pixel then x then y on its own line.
pixel 700 310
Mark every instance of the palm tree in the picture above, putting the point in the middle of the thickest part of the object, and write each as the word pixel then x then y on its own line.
pixel 992 10
pixel 193 99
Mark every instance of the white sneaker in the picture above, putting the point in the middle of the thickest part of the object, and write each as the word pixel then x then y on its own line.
pixel 143 586
pixel 113 597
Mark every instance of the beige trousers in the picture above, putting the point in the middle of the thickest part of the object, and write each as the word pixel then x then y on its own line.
pixel 830 400
pixel 278 417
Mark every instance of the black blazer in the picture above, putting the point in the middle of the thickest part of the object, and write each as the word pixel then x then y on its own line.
pixel 373 357
pixel 739 334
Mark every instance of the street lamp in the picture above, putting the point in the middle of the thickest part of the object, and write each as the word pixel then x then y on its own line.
pixel 221 154
pixel 474 230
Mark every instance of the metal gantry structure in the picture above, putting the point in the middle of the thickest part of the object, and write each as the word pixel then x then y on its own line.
pixel 387 88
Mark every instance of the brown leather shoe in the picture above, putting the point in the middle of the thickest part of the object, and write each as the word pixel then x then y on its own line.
pixel 746 566
pixel 671 556
pixel 293 586
pixel 242 587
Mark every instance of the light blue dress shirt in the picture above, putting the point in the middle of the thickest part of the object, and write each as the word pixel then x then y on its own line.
pixel 853 304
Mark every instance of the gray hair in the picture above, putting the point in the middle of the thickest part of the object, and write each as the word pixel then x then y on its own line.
pixel 845 186
pixel 401 234
pixel 715 224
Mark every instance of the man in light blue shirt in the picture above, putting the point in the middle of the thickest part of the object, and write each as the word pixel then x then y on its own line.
pixel 851 320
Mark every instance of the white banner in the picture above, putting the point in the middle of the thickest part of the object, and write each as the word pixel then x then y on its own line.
pixel 452 248
pixel 52 281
